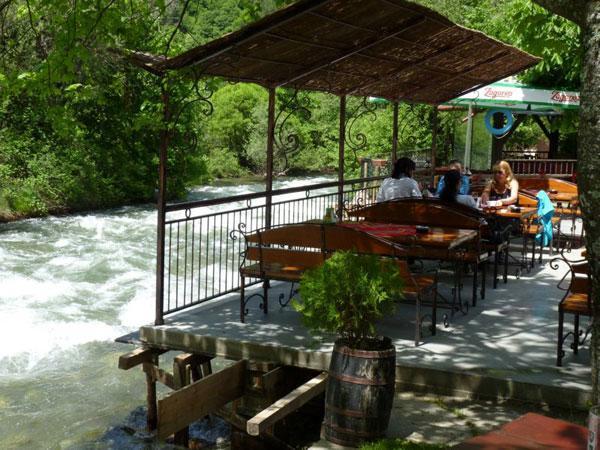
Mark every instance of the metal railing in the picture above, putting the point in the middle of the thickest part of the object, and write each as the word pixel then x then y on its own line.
pixel 204 239
pixel 549 167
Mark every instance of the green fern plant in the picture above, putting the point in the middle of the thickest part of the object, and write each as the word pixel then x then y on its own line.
pixel 348 294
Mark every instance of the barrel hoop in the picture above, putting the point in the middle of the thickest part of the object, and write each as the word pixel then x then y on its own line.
pixel 364 353
pixel 359 380
pixel 350 431
pixel 347 412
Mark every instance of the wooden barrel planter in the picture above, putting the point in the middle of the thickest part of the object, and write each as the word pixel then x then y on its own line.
pixel 360 394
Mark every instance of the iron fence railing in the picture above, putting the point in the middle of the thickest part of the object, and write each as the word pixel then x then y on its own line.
pixel 204 239
pixel 549 167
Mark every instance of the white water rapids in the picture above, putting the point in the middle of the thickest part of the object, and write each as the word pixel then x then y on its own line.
pixel 68 287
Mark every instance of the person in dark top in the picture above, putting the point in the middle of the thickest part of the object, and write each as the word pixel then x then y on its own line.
pixel 451 191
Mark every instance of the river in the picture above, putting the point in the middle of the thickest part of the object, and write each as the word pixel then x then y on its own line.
pixel 68 287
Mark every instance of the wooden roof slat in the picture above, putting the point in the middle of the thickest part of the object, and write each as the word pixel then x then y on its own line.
pixel 388 48
pixel 350 53
pixel 305 42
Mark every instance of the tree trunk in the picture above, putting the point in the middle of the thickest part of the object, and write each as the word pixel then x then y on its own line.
pixel 589 168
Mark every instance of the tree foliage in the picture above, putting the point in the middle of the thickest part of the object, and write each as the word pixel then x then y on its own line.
pixel 79 128
pixel 348 294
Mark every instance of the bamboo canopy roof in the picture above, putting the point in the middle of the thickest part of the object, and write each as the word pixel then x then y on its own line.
pixel 392 49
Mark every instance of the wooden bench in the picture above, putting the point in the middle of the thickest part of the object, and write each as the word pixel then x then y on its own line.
pixel 433 212
pixel 576 301
pixel 284 253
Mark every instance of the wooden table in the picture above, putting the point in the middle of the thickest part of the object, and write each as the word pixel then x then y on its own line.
pixel 525 212
pixel 445 238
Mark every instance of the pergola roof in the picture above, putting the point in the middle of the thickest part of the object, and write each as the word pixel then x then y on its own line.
pixel 384 48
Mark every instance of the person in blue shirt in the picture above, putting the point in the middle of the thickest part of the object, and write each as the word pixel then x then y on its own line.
pixel 451 192
pixel 465 182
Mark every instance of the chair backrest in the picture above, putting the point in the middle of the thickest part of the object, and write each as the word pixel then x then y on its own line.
pixel 547 184
pixel 431 212
pixel 299 245
pixel 302 235
pixel 527 200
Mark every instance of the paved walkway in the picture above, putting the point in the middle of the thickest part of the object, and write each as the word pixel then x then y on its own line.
pixel 504 347
pixel 451 421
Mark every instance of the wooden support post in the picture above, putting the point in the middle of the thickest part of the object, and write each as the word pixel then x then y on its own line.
pixel 395 134
pixel 286 405
pixel 434 133
pixel 152 417
pixel 469 139
pixel 161 206
pixel 269 168
pixel 180 379
pixel 341 148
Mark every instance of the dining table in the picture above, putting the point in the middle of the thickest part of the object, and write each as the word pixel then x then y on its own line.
pixel 426 242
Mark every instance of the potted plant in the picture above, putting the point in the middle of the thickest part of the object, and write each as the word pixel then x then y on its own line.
pixel 347 295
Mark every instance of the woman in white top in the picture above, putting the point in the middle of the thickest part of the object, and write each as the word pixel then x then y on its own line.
pixel 400 184
pixel 450 192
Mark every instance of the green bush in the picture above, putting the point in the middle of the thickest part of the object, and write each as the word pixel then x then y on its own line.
pixel 401 444
pixel 348 294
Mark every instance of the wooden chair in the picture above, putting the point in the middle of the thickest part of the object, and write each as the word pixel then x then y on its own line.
pixel 576 301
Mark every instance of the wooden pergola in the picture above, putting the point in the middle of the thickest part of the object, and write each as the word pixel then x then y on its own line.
pixel 391 49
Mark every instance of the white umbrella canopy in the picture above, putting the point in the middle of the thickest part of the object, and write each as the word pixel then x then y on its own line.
pixel 510 93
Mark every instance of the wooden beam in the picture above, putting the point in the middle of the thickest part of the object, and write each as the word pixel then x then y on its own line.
pixel 138 356
pixel 180 408
pixel 161 375
pixel 286 405
pixel 542 126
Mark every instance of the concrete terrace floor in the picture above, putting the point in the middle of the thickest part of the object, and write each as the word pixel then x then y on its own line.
pixel 505 347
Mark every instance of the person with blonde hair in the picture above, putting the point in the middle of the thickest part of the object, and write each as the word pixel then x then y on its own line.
pixel 503 188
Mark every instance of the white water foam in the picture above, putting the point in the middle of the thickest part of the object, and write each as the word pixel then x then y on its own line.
pixel 72 280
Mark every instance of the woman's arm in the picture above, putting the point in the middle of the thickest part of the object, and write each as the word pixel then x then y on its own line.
pixel 514 193
pixel 485 195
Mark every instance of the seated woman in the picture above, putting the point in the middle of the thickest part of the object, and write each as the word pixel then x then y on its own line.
pixel 503 189
pixel 451 191
pixel 400 184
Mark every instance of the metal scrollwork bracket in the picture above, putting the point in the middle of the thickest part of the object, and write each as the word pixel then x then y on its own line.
pixel 287 141
pixel 356 140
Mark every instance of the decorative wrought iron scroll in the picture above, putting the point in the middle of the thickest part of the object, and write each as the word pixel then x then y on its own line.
pixel 199 93
pixel 356 140
pixel 286 140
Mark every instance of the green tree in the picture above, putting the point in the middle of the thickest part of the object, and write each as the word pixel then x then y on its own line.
pixel 586 14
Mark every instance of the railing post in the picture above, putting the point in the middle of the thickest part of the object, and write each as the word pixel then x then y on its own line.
pixel 161 205
pixel 270 141
pixel 434 133
pixel 395 135
pixel 341 148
